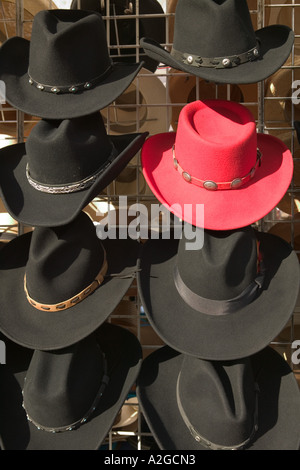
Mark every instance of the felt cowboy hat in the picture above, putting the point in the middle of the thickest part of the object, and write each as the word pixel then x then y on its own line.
pixel 171 8
pixel 123 31
pixel 70 397
pixel 60 284
pixel 226 300
pixel 142 107
pixel 203 47
pixel 126 314
pixel 62 166
pixel 281 12
pixel 247 404
pixel 185 88
pixel 216 158
pixel 84 78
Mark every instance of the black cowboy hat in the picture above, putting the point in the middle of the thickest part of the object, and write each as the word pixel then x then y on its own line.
pixel 93 378
pixel 64 71
pixel 226 300
pixel 62 166
pixel 123 31
pixel 194 404
pixel 215 40
pixel 60 284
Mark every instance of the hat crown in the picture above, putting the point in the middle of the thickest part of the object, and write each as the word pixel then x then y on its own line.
pixel 61 386
pixel 63 260
pixel 67 48
pixel 219 399
pixel 223 267
pixel 216 141
pixel 73 149
pixel 202 25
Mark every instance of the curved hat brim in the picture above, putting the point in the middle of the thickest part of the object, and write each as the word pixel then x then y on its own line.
pixel 123 353
pixel 218 337
pixel 223 209
pixel 278 402
pixel 40 209
pixel 276 43
pixel 37 329
pixel 14 60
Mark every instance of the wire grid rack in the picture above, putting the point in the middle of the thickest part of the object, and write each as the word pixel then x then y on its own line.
pixel 152 103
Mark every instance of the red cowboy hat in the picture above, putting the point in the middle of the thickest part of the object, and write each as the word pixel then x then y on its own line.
pixel 217 158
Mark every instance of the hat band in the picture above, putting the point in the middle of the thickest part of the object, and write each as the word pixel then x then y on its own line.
pixel 63 89
pixel 205 442
pixel 73 300
pixel 224 62
pixel 79 422
pixel 218 307
pixel 213 185
pixel 71 187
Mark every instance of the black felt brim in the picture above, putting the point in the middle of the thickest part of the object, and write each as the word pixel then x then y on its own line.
pixel 278 402
pixel 37 329
pixel 40 209
pixel 14 60
pixel 276 43
pixel 124 355
pixel 220 337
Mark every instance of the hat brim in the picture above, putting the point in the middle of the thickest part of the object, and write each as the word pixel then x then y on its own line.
pixel 40 209
pixel 218 337
pixel 37 329
pixel 14 60
pixel 276 43
pixel 223 209
pixel 278 402
pixel 123 353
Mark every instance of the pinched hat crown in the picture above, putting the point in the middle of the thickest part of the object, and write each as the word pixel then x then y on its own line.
pixel 226 24
pixel 62 388
pixel 62 262
pixel 68 51
pixel 75 152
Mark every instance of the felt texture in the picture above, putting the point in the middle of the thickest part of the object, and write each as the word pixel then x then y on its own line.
pixel 62 152
pixel 278 401
pixel 213 155
pixel 218 337
pixel 123 31
pixel 123 354
pixel 75 41
pixel 202 28
pixel 38 329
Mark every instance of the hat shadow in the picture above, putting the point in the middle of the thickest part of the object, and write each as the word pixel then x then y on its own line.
pixel 148 380
pixel 12 190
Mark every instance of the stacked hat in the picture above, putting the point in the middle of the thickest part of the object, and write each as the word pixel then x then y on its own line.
pixel 64 279
pixel 222 290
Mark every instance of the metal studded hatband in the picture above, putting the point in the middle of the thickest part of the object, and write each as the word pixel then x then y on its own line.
pixel 213 185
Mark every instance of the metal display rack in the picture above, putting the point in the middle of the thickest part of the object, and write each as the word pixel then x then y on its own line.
pixel 153 103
